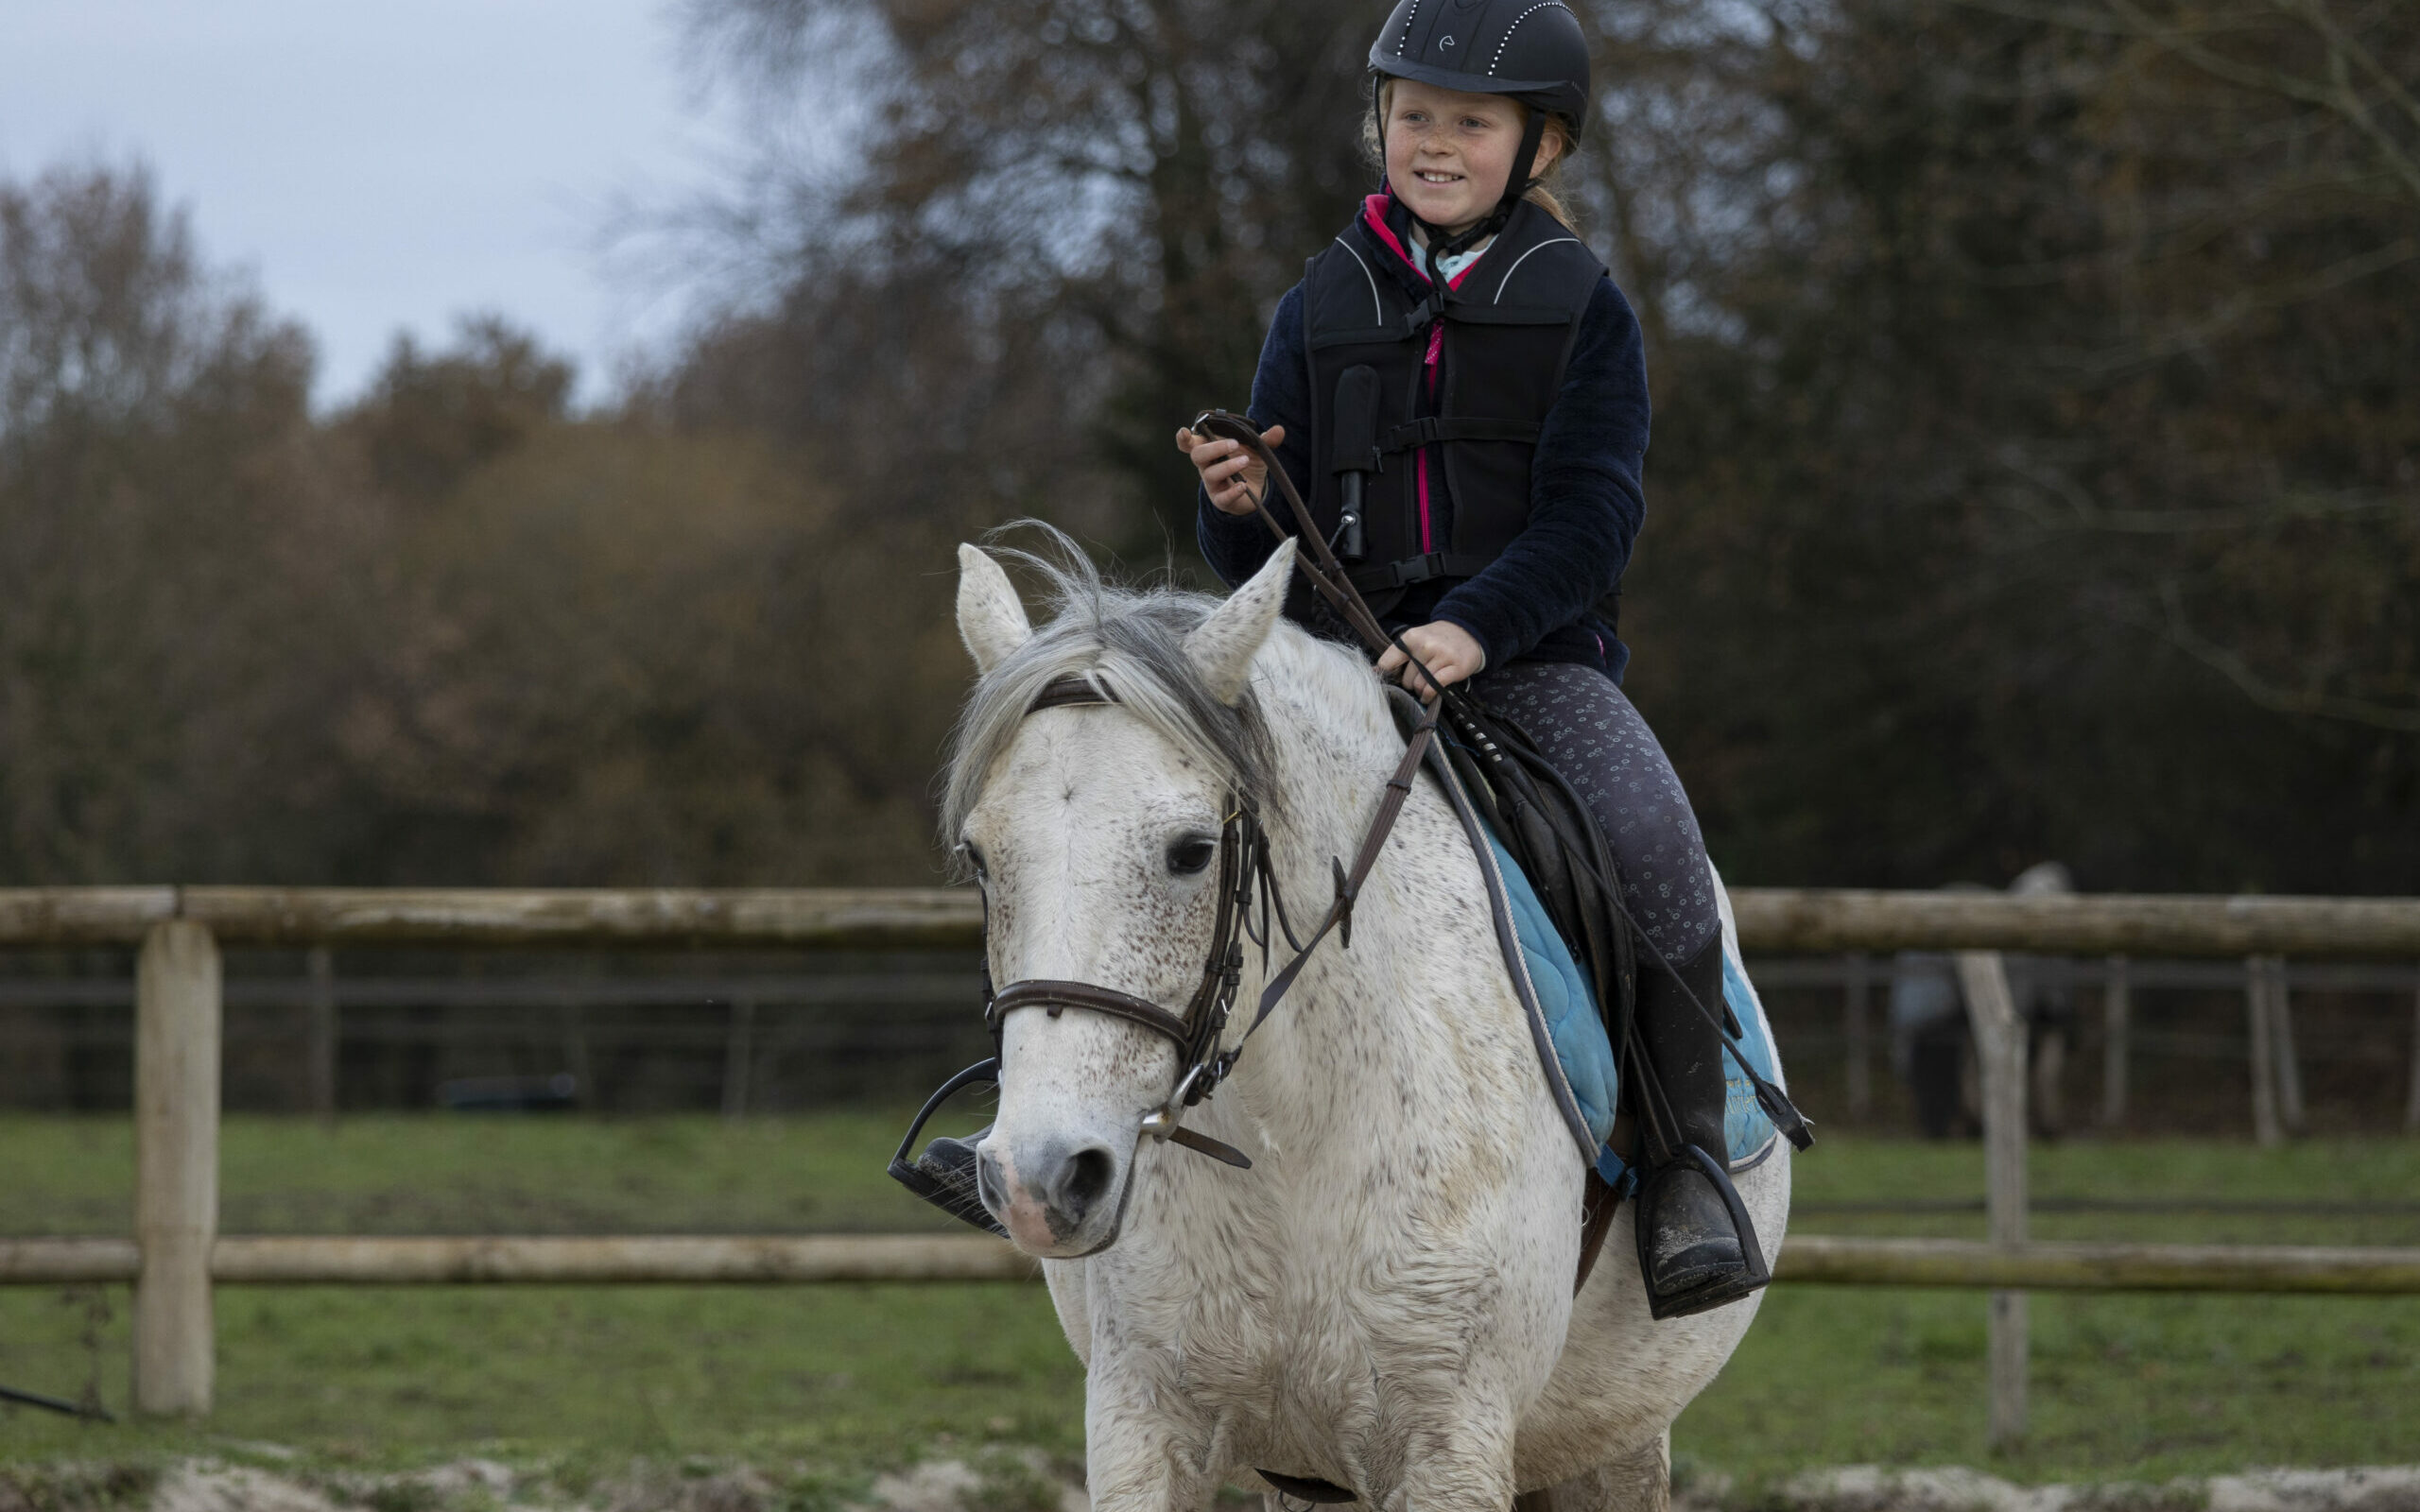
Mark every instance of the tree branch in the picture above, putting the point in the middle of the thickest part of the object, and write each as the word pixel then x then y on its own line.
pixel 2344 46
pixel 2252 301
pixel 2337 94
pixel 2231 664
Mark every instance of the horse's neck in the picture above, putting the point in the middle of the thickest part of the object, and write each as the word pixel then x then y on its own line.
pixel 1335 747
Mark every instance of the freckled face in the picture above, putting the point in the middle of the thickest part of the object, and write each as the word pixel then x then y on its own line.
pixel 1449 154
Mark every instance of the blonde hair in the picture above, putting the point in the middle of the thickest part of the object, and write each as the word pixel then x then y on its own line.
pixel 1373 147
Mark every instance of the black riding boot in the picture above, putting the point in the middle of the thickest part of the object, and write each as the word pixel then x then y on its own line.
pixel 1696 1246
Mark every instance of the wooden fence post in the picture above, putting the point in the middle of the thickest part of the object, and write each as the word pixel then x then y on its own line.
pixel 2266 1131
pixel 2287 1064
pixel 2117 1015
pixel 321 971
pixel 574 1026
pixel 176 1166
pixel 1856 999
pixel 2000 1048
pixel 2412 1097
pixel 738 1058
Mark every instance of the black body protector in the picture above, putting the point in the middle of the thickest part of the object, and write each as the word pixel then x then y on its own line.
pixel 1503 341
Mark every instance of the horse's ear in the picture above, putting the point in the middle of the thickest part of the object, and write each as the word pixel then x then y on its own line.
pixel 990 619
pixel 1222 645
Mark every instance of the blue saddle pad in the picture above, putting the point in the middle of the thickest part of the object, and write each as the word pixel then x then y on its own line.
pixel 1586 1056
pixel 1567 997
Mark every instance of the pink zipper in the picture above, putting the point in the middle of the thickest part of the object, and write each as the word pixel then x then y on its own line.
pixel 1374 209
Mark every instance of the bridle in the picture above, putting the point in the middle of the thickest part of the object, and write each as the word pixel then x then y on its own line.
pixel 1246 876
pixel 1201 1065
pixel 1203 1060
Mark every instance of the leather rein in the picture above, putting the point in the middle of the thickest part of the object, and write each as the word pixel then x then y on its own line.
pixel 1198 1031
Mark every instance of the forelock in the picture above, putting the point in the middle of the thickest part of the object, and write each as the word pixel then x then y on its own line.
pixel 1134 641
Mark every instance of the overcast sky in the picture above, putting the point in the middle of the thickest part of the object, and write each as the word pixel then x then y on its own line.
pixel 381 167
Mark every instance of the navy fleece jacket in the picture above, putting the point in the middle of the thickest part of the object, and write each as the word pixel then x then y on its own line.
pixel 1537 600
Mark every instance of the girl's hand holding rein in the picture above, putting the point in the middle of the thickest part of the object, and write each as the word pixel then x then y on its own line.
pixel 1231 476
pixel 1444 647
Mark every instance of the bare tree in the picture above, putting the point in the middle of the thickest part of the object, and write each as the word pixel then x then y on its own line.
pixel 2257 183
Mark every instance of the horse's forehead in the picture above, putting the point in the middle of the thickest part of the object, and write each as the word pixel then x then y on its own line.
pixel 1101 759
pixel 1073 821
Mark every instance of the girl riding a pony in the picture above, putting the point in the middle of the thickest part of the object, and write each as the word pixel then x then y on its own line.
pixel 1460 389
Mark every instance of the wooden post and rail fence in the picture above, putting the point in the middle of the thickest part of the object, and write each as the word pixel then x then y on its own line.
pixel 176 1255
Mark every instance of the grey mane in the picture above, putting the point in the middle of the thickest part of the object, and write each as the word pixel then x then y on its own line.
pixel 1131 639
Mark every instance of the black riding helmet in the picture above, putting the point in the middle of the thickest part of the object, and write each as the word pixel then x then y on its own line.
pixel 1527 50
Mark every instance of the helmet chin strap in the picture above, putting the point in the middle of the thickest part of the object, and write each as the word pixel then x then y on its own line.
pixel 1517 184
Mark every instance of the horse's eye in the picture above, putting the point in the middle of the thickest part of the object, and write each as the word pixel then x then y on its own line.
pixel 974 859
pixel 1191 854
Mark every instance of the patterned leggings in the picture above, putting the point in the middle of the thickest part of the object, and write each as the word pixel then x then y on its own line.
pixel 1584 725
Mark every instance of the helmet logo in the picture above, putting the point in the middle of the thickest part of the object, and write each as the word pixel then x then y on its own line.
pixel 1444 41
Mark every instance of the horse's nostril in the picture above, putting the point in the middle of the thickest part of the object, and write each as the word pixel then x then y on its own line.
pixel 1084 1180
pixel 988 1184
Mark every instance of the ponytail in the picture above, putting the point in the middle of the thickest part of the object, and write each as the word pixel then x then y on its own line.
pixel 1542 193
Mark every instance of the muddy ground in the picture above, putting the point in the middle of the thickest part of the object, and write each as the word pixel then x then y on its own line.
pixel 1030 1483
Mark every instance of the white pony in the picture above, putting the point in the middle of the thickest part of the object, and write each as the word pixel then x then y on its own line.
pixel 1384 1300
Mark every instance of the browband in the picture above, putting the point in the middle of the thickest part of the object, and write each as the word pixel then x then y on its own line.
pixel 1072 690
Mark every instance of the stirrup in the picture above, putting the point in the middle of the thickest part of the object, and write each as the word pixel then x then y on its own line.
pixel 944 1174
pixel 1751 1276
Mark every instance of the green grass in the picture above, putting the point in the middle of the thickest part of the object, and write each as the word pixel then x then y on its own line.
pixel 2124 1387
pixel 855 1379
pixel 437 1173
pixel 2133 1386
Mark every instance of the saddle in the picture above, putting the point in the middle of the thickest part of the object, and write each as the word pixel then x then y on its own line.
pixel 1554 841
pixel 1552 857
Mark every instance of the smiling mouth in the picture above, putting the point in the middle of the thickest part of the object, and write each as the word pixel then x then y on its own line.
pixel 1430 176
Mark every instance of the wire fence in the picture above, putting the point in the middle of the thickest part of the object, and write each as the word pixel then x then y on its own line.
pixel 178 1064
pixel 314 1031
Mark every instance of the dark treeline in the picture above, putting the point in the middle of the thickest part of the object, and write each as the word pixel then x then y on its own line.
pixel 453 633
pixel 2038 408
